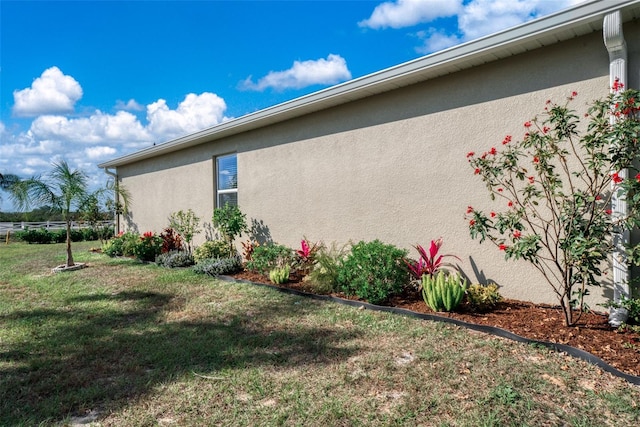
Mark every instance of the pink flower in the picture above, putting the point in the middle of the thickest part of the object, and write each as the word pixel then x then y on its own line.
pixel 527 124
pixel 517 234
pixel 531 179
pixel 536 159
pixel 506 140
pixel 608 211
pixel 500 190
pixel 574 94
pixel 502 247
pixel 510 204
pixel 638 177
pixel 617 85
pixel 469 209
pixel 493 151
pixel 546 129
pixel 470 154
pixel 598 197
pixel 492 214
pixel 148 234
pixel 615 177
pixel 472 223
pixel 477 171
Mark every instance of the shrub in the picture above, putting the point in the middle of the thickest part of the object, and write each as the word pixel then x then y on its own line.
pixel 211 249
pixel 323 278
pixel 148 247
pixel 121 245
pixel 267 257
pixel 218 266
pixel 39 235
pixel 483 298
pixel 171 240
pixel 231 223
pixel 373 271
pixel 175 259
pixel 187 224
pixel 632 305
pixel 443 292
pixel 90 234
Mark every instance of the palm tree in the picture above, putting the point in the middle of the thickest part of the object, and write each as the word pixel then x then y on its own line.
pixel 6 181
pixel 62 188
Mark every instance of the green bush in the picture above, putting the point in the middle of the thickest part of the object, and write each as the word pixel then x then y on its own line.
pixel 483 298
pixel 444 291
pixel 218 266
pixel 175 259
pixel 211 249
pixel 280 275
pixel 121 245
pixel 373 271
pixel 266 258
pixel 323 277
pixel 148 247
pixel 39 235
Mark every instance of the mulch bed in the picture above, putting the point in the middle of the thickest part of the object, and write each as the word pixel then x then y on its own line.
pixel 593 334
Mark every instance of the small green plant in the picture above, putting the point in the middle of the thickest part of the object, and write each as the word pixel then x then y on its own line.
pixel 148 247
pixel 280 275
pixel 483 298
pixel 187 224
pixel 267 257
pixel 211 249
pixel 231 223
pixel 373 271
pixel 443 292
pixel 324 275
pixel 175 259
pixel 218 266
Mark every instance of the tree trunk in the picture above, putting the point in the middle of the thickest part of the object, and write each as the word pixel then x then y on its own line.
pixel 70 262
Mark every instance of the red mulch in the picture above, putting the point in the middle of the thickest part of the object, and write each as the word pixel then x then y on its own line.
pixel 620 349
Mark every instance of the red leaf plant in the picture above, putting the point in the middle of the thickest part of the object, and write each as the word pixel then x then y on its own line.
pixel 429 262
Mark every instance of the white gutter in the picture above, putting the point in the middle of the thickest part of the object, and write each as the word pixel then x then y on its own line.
pixel 617 48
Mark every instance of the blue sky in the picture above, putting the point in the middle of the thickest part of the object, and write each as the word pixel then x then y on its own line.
pixel 88 81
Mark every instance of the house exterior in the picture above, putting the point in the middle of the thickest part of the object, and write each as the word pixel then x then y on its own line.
pixel 384 156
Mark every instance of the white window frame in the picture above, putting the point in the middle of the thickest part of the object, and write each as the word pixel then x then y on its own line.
pixel 220 192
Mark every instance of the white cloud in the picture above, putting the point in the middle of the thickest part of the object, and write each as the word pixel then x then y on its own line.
pixel 475 19
pixel 130 105
pixel 99 152
pixel 327 71
pixel 406 13
pixel 195 113
pixel 51 93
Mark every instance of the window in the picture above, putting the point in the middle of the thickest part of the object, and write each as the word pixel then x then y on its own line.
pixel 227 180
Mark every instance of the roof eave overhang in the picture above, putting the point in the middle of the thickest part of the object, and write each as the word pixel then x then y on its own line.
pixel 579 20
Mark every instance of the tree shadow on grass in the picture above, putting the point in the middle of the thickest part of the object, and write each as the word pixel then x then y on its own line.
pixel 77 359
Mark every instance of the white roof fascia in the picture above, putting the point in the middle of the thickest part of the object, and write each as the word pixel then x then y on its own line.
pixel 581 19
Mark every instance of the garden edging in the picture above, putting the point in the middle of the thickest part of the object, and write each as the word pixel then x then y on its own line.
pixel 492 330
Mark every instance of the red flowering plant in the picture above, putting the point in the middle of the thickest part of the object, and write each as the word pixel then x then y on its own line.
pixel 305 256
pixel 554 190
pixel 429 262
pixel 148 246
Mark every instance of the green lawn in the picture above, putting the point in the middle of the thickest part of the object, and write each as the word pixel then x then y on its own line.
pixel 138 345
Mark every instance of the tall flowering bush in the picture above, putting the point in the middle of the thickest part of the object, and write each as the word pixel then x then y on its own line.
pixel 553 190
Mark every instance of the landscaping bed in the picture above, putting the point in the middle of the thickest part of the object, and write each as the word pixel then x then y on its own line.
pixel 620 348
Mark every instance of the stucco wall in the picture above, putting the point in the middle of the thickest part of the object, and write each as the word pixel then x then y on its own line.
pixel 391 167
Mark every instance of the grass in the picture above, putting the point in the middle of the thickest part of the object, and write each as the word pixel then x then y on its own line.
pixel 136 345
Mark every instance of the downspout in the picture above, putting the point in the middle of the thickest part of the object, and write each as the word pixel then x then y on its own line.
pixel 617 48
pixel 116 198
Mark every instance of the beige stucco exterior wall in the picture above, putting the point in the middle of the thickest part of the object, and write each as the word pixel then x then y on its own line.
pixel 391 167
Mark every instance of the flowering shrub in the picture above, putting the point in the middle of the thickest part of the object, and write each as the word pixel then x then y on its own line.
pixel 553 192
pixel 148 247
pixel 121 245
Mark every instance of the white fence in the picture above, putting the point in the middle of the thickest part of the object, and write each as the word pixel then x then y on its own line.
pixel 48 225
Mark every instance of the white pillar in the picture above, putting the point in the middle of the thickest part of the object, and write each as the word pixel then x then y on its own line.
pixel 617 48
